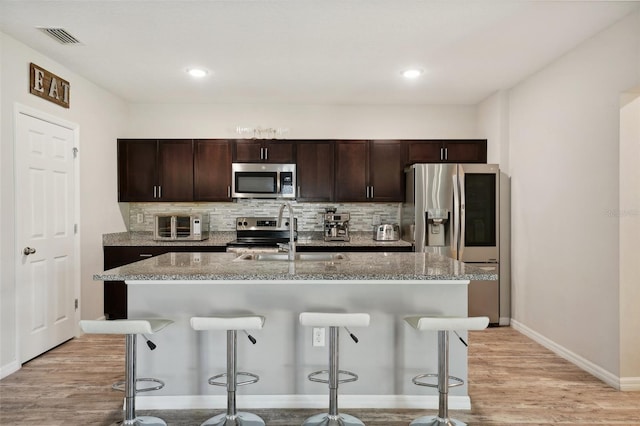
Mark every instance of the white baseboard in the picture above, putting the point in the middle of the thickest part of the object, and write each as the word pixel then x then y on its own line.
pixel 252 402
pixel 630 383
pixel 7 370
pixel 591 368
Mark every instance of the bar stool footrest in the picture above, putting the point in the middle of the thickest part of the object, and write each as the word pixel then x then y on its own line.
pixel 119 386
pixel 352 376
pixel 254 379
pixel 453 381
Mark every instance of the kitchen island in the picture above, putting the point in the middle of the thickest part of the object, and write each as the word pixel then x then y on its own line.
pixel 388 286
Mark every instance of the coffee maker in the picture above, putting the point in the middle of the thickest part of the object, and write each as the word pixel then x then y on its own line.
pixel 336 226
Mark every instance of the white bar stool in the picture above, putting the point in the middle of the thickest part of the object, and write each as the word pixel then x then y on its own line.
pixel 334 321
pixel 231 324
pixel 131 328
pixel 443 325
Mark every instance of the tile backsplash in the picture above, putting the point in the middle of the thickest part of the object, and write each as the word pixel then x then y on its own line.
pixel 222 215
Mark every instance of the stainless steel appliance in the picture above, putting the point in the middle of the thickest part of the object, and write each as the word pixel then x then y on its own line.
pixel 261 234
pixel 263 180
pixel 336 226
pixel 454 210
pixel 181 227
pixel 386 232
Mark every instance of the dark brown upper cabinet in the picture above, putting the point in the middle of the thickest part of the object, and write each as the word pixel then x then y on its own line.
pixel 264 151
pixel 446 151
pixel 369 171
pixel 315 170
pixel 155 170
pixel 212 170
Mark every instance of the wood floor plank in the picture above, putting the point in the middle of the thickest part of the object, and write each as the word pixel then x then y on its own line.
pixel 513 381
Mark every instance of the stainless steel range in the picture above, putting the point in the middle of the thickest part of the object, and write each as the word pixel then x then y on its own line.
pixel 261 234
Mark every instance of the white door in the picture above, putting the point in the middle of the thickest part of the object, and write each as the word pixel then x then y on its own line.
pixel 45 211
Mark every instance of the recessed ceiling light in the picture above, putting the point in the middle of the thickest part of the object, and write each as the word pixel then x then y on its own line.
pixel 197 72
pixel 412 73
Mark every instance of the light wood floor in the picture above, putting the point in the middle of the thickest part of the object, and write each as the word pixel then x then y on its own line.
pixel 512 381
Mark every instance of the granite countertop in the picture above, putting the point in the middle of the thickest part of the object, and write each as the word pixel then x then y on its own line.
pixel 307 239
pixel 418 268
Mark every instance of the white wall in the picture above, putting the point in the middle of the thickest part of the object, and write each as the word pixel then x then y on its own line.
pixel 100 117
pixel 564 164
pixel 493 125
pixel 629 217
pixel 304 121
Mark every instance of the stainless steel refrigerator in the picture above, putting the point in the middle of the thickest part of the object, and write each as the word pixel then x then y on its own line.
pixel 454 210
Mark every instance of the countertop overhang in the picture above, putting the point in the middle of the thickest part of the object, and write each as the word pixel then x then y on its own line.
pixel 359 268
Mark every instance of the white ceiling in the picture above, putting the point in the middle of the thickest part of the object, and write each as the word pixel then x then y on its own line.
pixel 309 51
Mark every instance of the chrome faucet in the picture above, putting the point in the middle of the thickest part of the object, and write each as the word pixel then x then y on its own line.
pixel 292 244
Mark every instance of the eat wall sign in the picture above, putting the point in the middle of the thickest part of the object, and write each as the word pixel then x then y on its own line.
pixel 48 86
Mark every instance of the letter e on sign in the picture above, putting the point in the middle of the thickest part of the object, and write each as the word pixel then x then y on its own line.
pixel 49 86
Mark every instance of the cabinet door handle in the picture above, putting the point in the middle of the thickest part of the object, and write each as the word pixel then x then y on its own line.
pixel 155 191
pixel 367 192
pixel 145 255
pixel 228 191
pixel 298 191
pixel 446 153
pixel 266 153
pixel 441 154
pixel 372 191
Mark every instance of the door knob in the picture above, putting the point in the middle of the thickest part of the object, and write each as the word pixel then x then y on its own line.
pixel 28 250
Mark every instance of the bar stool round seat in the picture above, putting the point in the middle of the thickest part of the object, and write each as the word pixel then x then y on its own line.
pixel 231 324
pixel 443 325
pixel 131 328
pixel 334 321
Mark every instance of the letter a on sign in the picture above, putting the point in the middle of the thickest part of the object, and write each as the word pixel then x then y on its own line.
pixel 49 86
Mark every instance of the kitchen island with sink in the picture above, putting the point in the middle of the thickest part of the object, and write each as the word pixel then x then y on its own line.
pixel 388 286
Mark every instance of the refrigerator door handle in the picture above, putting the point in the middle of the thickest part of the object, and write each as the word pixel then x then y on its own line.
pixel 456 218
pixel 462 215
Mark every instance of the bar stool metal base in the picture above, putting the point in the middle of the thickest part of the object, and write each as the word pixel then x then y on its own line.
pixel 327 420
pixel 141 421
pixel 436 421
pixel 240 419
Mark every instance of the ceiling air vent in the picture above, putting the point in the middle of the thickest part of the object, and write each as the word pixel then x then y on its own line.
pixel 60 34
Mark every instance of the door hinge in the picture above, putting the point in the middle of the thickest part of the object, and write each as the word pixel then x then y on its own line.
pixel 76 304
pixel 75 228
pixel 75 152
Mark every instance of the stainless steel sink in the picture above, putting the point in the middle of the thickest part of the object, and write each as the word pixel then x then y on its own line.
pixel 308 257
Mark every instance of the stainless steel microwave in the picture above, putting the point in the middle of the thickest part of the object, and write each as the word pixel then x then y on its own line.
pixel 263 180
pixel 179 227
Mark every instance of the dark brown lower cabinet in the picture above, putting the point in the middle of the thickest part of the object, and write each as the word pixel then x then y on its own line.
pixel 115 292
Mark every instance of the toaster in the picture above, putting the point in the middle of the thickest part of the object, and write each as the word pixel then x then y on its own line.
pixel 386 232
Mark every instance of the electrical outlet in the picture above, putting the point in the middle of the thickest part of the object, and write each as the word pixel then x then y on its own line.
pixel 140 218
pixel 376 219
pixel 318 336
